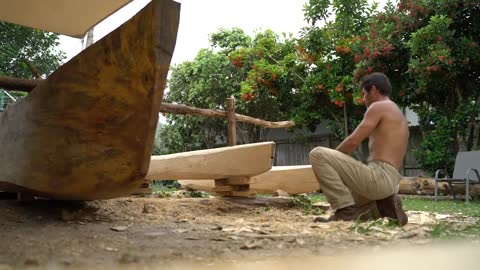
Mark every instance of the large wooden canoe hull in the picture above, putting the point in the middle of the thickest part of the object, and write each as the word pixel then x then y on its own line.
pixel 225 162
pixel 88 130
pixel 291 179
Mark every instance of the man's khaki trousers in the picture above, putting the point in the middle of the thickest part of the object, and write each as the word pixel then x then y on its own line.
pixel 346 181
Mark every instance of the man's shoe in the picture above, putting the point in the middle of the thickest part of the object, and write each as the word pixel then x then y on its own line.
pixel 349 213
pixel 391 207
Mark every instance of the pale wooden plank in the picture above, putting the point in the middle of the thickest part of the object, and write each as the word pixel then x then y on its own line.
pixel 224 162
pixel 291 179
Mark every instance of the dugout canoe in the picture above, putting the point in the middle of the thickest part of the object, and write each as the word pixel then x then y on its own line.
pixel 87 131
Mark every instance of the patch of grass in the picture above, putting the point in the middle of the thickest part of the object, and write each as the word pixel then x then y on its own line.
pixel 364 227
pixel 196 194
pixel 317 197
pixel 305 203
pixel 444 230
pixel 471 209
pixel 162 188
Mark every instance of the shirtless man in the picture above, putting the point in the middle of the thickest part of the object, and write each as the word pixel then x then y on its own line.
pixel 353 189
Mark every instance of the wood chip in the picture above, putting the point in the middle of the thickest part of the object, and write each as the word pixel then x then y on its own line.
pixel 219 239
pixel 119 228
pixel 321 205
pixel 154 234
pixel 238 230
pixel 407 235
pixel 251 245
pixel 216 228
pixel 320 226
pixel 299 241
pixel 182 221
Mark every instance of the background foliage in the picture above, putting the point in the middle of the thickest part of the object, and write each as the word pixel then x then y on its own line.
pixel 21 46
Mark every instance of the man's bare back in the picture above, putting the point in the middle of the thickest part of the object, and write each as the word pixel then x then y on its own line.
pixel 388 141
pixel 352 188
pixel 387 130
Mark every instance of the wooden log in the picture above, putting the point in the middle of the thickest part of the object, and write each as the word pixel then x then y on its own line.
pixel 232 123
pixel 19 84
pixel 299 179
pixel 87 131
pixel 224 162
pixel 27 85
pixel 426 186
pixel 291 179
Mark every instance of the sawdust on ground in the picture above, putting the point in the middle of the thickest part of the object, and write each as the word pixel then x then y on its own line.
pixel 154 232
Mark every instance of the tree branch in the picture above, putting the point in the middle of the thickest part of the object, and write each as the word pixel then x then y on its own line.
pixel 183 109
pixel 34 70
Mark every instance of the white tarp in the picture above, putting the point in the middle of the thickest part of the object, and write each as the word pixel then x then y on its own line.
pixel 69 17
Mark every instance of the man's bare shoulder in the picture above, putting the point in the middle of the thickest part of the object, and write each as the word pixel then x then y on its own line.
pixel 384 105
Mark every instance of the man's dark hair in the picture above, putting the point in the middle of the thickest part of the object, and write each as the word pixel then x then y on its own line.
pixel 380 80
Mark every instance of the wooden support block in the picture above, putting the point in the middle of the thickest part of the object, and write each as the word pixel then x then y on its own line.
pixel 145 185
pixel 144 189
pixel 232 188
pixel 240 180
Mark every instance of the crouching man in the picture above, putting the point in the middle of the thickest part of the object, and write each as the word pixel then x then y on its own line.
pixel 353 189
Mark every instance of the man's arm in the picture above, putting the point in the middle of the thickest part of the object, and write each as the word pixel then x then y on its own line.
pixel 370 121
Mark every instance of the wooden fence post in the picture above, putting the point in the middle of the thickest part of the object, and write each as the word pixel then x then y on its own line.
pixel 232 122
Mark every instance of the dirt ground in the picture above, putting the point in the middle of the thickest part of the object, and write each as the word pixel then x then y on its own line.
pixel 147 233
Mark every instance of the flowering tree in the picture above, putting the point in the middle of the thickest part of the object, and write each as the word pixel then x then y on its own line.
pixel 27 52
pixel 218 73
pixel 315 71
pixel 430 50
